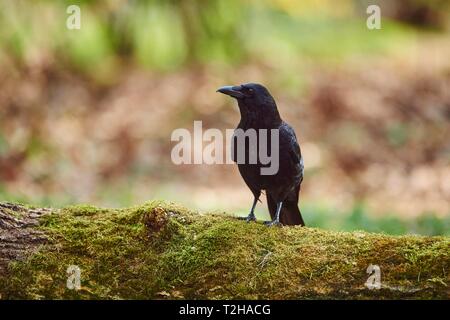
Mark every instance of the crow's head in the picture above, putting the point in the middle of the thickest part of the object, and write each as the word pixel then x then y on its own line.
pixel 250 94
pixel 255 103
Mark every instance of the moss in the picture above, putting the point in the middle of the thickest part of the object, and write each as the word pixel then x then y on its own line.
pixel 161 250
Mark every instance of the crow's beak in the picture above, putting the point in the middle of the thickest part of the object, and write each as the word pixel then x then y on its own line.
pixel 233 91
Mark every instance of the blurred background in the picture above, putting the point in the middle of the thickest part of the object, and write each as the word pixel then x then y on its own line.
pixel 86 115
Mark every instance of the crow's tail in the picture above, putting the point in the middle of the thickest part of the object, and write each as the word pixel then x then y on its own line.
pixel 290 213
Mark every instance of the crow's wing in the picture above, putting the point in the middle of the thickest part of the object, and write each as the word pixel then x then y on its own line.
pixel 293 148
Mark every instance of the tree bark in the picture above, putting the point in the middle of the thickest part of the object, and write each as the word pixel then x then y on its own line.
pixel 18 234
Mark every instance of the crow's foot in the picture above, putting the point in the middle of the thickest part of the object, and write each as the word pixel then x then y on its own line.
pixel 250 217
pixel 273 223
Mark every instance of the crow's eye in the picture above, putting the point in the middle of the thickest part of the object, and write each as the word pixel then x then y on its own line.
pixel 248 91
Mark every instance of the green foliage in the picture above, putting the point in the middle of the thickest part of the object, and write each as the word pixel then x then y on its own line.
pixel 166 35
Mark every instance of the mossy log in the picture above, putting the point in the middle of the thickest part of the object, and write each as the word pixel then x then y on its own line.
pixel 164 251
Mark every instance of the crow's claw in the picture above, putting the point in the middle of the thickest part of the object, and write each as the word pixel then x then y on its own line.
pixel 273 223
pixel 250 217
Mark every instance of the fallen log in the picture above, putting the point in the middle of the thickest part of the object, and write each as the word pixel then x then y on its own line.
pixel 164 251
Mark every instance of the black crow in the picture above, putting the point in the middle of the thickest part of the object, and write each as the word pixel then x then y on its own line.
pixel 259 111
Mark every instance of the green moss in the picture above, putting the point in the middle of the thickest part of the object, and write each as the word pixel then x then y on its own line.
pixel 161 250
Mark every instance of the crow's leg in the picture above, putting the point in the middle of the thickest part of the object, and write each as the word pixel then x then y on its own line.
pixel 251 215
pixel 276 221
